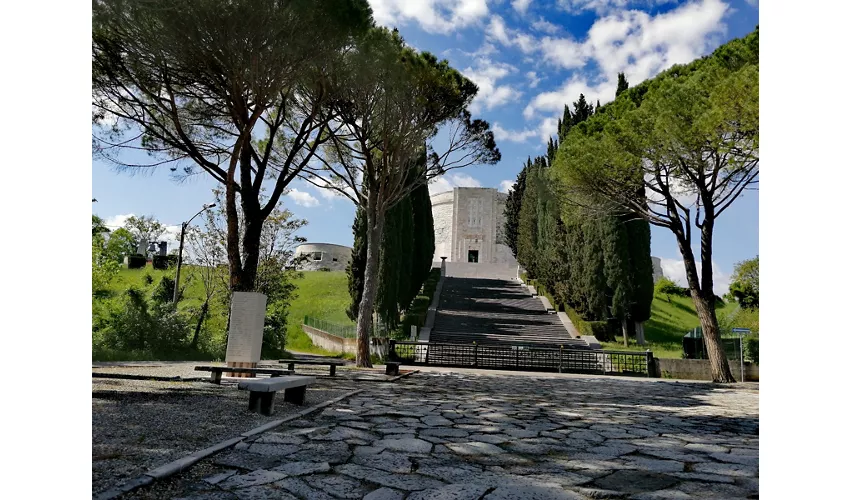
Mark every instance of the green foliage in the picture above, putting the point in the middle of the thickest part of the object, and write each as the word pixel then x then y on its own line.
pixel 751 348
pixel 745 283
pixel 641 268
pixel 144 229
pixel 622 83
pixel 103 269
pixel 512 209
pixel 418 311
pixel 120 244
pixel 143 325
pixel 668 288
pixel 528 226
pixel 98 226
pixel 423 239
pixel 357 267
pixel 386 303
pixel 164 261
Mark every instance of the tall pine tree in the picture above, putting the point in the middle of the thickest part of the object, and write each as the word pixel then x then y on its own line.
pixel 622 83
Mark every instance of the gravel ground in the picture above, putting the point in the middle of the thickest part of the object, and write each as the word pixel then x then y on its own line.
pixel 138 425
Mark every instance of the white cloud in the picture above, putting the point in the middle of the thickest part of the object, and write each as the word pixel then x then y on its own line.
pixel 434 16
pixel 533 79
pixel 568 93
pixel 545 26
pixel 501 134
pixel 520 6
pixel 674 269
pixel 303 198
pixel 506 186
pixel 630 42
pixel 490 95
pixel 450 181
pixel 603 6
pixel 498 31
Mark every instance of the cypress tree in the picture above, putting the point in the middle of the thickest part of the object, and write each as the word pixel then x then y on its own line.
pixel 582 110
pixel 357 267
pixel 527 237
pixel 622 83
pixel 593 283
pixel 404 271
pixel 422 253
pixel 598 105
pixel 386 301
pixel 641 269
pixel 512 208
pixel 566 124
pixel 618 275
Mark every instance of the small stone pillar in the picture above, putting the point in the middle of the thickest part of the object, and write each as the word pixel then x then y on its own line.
pixel 443 267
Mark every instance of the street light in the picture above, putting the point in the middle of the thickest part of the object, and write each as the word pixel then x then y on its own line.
pixel 180 252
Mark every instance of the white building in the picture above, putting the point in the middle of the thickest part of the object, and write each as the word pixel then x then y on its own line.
pixel 469 226
pixel 317 256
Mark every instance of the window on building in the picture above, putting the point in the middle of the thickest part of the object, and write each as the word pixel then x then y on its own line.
pixel 316 256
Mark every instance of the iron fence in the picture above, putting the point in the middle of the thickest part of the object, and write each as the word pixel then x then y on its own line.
pixel 520 357
pixel 345 331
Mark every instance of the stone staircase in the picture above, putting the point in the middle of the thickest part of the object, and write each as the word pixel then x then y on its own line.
pixel 496 311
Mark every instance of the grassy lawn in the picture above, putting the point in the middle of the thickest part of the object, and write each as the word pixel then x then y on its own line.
pixel 320 294
pixel 670 321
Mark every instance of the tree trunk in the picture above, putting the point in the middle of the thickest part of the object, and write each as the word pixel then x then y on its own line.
pixel 641 340
pixel 200 322
pixel 703 298
pixel 625 333
pixel 370 286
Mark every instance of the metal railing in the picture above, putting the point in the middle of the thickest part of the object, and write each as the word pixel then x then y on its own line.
pixel 517 357
pixel 345 331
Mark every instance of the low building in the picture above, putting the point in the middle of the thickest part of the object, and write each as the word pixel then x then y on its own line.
pixel 320 256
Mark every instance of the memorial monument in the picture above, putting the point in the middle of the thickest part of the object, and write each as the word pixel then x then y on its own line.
pixel 245 336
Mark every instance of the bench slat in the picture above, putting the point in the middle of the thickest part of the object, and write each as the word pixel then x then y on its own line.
pixel 275 384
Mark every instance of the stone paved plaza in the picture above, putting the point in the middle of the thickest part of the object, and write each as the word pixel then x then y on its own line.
pixel 500 436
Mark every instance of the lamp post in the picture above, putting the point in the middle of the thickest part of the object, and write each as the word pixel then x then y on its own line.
pixel 180 252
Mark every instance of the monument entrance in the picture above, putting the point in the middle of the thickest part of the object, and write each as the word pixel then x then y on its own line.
pixel 473 256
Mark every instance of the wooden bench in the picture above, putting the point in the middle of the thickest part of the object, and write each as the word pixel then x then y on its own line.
pixel 263 390
pixel 216 371
pixel 333 363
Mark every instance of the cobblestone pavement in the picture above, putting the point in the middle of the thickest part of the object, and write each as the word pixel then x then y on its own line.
pixel 467 436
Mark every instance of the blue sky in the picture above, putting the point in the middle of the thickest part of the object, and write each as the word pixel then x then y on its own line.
pixel 529 58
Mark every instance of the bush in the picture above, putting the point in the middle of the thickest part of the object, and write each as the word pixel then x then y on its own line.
pixel 137 325
pixel 666 287
pixel 751 348
pixel 325 269
pixel 136 261
pixel 164 261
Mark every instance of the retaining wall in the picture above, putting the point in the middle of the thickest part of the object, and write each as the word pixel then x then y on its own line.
pixel 700 369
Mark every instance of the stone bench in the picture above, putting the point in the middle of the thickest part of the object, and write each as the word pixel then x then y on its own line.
pixel 392 367
pixel 216 371
pixel 263 390
pixel 333 363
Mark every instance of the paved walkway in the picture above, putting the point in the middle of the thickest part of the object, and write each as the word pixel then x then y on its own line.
pixel 497 436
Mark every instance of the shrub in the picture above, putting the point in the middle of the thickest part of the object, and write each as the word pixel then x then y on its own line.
pixel 666 287
pixel 325 269
pixel 751 348
pixel 137 325
pixel 136 261
pixel 164 261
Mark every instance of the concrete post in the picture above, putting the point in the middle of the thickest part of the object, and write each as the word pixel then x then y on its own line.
pixel 443 267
